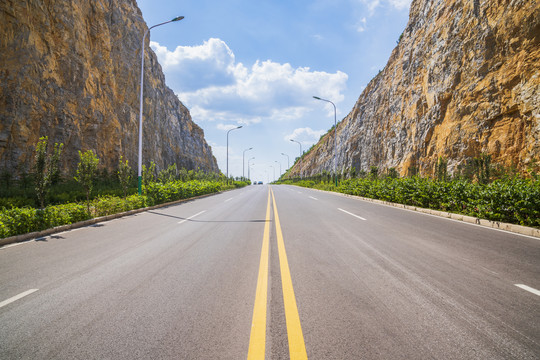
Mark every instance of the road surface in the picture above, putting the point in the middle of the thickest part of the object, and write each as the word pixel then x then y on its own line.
pixel 273 272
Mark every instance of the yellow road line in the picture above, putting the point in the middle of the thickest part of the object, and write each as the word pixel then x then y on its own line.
pixel 297 347
pixel 257 339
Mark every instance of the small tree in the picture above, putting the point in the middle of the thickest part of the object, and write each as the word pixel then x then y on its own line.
pixel 441 169
pixel 124 175
pixel 412 171
pixel 169 175
pixel 7 178
pixel 482 165
pixel 392 173
pixel 374 172
pixel 148 176
pixel 86 172
pixel 46 170
pixel 182 174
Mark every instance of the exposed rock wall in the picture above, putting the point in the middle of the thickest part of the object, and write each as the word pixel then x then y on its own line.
pixel 463 80
pixel 70 70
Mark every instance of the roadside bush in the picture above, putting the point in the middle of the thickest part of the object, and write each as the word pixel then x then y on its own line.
pixel 513 200
pixel 14 202
pixel 16 221
pixel 107 205
pixel 158 193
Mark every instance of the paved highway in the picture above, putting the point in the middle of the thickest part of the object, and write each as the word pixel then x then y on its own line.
pixel 272 272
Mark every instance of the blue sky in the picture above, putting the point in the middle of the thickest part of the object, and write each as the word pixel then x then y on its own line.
pixel 258 64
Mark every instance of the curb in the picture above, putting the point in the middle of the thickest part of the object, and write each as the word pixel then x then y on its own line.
pixel 518 229
pixel 62 228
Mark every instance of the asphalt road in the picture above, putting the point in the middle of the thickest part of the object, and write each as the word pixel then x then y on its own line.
pixel 279 271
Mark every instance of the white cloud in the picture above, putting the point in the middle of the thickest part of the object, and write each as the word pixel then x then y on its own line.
pixel 372 5
pixel 306 136
pixel 400 4
pixel 215 87
pixel 191 67
pixel 226 127
pixel 361 25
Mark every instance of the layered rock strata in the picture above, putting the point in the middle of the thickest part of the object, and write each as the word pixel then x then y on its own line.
pixel 70 70
pixel 463 80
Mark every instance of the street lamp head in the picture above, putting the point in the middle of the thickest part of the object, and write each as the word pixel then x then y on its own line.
pixel 239 127
pixel 316 97
pixel 178 18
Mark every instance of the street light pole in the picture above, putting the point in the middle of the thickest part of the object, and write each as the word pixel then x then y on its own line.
pixel 288 163
pixel 279 167
pixel 178 18
pixel 274 171
pixel 335 134
pixel 238 127
pixel 298 144
pixel 243 160
pixel 300 157
pixel 249 175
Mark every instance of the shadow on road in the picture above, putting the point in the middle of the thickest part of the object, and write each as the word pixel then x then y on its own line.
pixel 46 238
pixel 209 221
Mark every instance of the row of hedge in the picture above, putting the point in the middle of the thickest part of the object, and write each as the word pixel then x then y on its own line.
pixel 16 221
pixel 512 200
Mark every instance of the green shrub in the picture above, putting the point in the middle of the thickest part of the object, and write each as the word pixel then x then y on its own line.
pixel 16 221
pixel 513 200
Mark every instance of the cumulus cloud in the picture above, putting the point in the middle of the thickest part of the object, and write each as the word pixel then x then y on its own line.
pixel 192 67
pixel 215 87
pixel 306 136
pixel 372 5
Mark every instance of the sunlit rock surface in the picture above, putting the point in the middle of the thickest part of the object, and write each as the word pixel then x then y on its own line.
pixel 70 70
pixel 463 80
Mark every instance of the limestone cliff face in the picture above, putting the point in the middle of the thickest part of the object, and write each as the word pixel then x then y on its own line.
pixel 463 80
pixel 70 70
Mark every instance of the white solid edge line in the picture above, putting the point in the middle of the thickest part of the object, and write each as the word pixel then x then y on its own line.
pixel 228 199
pixel 311 197
pixel 528 288
pixel 16 244
pixel 191 217
pixel 356 216
pixel 17 297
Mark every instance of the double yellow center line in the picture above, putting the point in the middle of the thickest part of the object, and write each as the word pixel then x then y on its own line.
pixel 257 341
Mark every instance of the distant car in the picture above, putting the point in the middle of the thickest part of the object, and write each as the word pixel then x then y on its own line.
pixel 260 183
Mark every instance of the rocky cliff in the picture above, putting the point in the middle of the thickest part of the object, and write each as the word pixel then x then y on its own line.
pixel 70 70
pixel 463 80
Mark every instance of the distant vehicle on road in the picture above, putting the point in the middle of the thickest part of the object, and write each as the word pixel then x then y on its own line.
pixel 260 182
